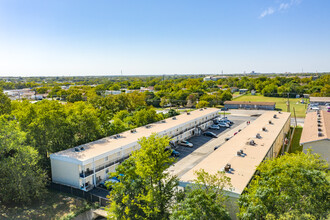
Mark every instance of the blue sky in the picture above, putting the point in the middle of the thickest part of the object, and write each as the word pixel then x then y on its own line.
pixel 103 37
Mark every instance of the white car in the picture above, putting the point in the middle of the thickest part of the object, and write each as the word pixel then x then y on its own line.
pixel 186 144
pixel 217 127
pixel 315 108
pixel 224 125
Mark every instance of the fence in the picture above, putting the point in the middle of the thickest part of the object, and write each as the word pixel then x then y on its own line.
pixel 79 193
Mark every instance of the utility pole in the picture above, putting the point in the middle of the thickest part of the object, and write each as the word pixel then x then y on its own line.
pixel 288 103
pixel 295 118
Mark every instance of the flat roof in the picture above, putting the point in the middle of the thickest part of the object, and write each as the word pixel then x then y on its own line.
pixel 319 99
pixel 107 144
pixel 243 167
pixel 311 131
pixel 248 103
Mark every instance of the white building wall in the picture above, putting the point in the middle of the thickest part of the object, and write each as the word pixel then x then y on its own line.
pixel 65 173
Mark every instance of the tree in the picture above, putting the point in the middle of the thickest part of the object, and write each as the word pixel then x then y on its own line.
pixel 21 180
pixel 146 189
pixel 205 199
pixel 5 103
pixel 202 104
pixel 293 183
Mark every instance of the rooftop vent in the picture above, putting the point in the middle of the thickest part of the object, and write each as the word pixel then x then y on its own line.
pixel 188 113
pixel 318 121
pixel 163 121
pixel 320 134
pixel 279 112
pixel 319 125
pixel 270 122
pixel 264 129
pixel 275 116
pixel 252 142
pixel 174 118
pixel 227 167
pixel 319 115
pixel 77 149
pixel 240 153
pixel 148 126
pixel 258 136
pixel 319 129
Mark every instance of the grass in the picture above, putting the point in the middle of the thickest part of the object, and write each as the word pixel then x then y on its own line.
pixel 56 205
pixel 280 103
pixel 295 146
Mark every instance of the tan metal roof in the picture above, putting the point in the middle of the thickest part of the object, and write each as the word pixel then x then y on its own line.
pixel 319 99
pixel 244 167
pixel 107 144
pixel 311 128
pixel 248 103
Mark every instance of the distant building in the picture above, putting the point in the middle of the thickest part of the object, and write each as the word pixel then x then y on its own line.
pixel 112 92
pixel 233 89
pixel 250 105
pixel 149 89
pixel 85 166
pixel 240 156
pixel 243 91
pixel 253 92
pixel 213 78
pixel 319 100
pixel 316 133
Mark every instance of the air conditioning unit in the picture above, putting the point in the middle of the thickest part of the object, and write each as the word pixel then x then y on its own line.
pixel 82 148
pixel 319 125
pixel 174 118
pixel 264 129
pixel 320 134
pixel 227 167
pixel 239 153
pixel 270 122
pixel 275 116
pixel 319 129
pixel 77 149
pixel 258 136
pixel 188 113
pixel 163 121
pixel 279 112
pixel 252 143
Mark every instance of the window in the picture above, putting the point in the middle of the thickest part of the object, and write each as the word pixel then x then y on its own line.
pixel 107 171
pixel 106 158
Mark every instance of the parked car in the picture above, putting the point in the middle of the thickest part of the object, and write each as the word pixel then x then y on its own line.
pixel 315 108
pixel 185 144
pixel 226 121
pixel 210 134
pixel 112 180
pixel 224 109
pixel 217 127
pixel 224 125
pixel 174 153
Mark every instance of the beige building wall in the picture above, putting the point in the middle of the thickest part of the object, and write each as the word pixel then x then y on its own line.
pixel 321 147
pixel 65 173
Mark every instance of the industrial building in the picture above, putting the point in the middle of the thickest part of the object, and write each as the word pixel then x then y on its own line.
pixel 316 133
pixel 240 156
pixel 319 100
pixel 249 105
pixel 85 166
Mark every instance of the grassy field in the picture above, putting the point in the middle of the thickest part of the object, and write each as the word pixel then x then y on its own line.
pixel 56 205
pixel 295 146
pixel 280 103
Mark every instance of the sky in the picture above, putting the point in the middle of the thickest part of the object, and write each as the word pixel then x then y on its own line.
pixel 135 37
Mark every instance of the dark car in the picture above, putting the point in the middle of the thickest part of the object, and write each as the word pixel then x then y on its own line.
pixel 224 109
pixel 174 153
pixel 210 134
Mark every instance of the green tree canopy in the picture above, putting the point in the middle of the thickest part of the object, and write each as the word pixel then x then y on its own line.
pixel 293 183
pixel 205 199
pixel 21 179
pixel 146 190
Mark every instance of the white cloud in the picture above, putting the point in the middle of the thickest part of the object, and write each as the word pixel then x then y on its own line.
pixel 266 12
pixel 285 5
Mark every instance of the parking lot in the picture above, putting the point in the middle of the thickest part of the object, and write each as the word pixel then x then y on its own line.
pixel 204 145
